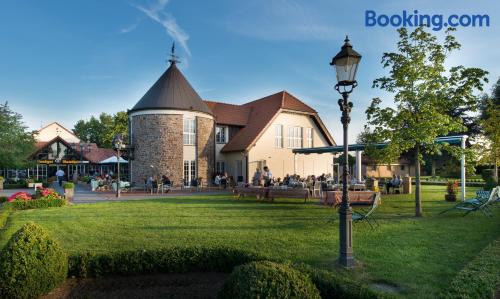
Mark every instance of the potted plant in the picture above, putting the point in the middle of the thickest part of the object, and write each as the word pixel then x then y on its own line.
pixel 69 191
pixel 451 191
pixel 1 182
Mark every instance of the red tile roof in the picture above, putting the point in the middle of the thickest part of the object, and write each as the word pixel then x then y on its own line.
pixel 257 115
pixel 92 153
pixel 229 114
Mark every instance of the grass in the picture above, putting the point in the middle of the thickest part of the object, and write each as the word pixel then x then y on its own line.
pixel 419 256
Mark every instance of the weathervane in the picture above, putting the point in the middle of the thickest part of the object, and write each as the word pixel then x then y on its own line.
pixel 173 58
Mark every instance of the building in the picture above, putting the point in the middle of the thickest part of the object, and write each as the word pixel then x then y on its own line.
pixel 174 132
pixel 59 148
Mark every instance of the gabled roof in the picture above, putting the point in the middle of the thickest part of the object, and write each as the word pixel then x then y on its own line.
pixel 59 125
pixel 261 113
pixel 172 91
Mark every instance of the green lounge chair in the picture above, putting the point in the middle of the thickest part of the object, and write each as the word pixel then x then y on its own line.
pixel 480 203
pixel 358 216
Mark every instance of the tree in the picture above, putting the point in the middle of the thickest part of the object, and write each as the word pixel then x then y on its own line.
pixel 490 125
pixel 103 129
pixel 424 91
pixel 16 143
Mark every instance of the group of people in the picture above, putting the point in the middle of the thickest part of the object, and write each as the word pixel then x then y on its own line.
pixel 153 182
pixel 263 178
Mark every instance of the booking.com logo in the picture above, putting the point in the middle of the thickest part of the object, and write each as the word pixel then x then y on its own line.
pixel 436 21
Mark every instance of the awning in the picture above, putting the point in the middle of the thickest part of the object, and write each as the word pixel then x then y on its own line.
pixel 112 160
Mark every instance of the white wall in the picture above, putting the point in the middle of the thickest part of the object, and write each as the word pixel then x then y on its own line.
pixel 281 160
pixel 53 130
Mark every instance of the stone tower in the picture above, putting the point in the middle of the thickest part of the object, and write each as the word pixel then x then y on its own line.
pixel 172 132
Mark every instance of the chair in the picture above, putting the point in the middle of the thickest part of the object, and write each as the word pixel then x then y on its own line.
pixel 317 188
pixel 480 203
pixel 358 216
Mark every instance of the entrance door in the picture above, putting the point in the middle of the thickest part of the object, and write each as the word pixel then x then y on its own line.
pixel 189 172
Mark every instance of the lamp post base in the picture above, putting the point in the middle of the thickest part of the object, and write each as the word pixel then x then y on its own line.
pixel 346 258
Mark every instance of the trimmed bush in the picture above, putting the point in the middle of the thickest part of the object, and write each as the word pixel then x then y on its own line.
pixel 267 279
pixel 331 285
pixel 69 185
pixel 38 203
pixel 168 260
pixel 32 264
pixel 480 278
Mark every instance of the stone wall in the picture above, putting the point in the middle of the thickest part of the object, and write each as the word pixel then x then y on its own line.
pixel 157 140
pixel 205 148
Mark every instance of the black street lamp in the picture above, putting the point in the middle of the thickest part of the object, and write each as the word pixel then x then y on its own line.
pixel 118 144
pixel 346 64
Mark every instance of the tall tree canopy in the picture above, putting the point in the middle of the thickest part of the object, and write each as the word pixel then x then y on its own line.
pixel 16 143
pixel 424 93
pixel 490 126
pixel 102 130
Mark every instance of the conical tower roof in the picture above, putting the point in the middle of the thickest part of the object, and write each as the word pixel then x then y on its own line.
pixel 172 91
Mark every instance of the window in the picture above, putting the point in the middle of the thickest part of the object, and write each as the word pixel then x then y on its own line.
pixel 278 136
pixel 220 167
pixel 294 137
pixel 374 167
pixel 402 167
pixel 221 134
pixel 189 131
pixel 189 172
pixel 309 137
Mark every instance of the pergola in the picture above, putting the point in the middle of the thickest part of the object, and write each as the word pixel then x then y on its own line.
pixel 358 148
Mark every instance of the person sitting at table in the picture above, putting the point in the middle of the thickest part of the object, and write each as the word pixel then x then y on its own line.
pixel 217 180
pixel 286 180
pixel 392 183
pixel 166 182
pixel 154 183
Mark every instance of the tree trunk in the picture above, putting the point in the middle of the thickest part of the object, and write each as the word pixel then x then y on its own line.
pixel 433 168
pixel 495 169
pixel 418 203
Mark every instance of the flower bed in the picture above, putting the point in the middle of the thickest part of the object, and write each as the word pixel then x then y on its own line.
pixel 43 198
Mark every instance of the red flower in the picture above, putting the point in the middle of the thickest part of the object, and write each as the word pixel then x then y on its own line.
pixel 19 196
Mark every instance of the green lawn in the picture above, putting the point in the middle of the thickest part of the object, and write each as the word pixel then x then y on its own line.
pixel 421 256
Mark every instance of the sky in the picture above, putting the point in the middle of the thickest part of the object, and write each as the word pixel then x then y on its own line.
pixel 68 60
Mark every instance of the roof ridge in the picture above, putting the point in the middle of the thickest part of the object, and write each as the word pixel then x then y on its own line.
pixel 217 102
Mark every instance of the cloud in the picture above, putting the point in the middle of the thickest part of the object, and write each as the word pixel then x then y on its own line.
pixel 131 27
pixel 156 13
pixel 281 20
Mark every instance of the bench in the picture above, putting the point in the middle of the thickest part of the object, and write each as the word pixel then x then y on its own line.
pixel 289 193
pixel 252 191
pixel 363 198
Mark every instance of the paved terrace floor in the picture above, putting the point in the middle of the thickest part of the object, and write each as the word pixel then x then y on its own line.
pixel 83 194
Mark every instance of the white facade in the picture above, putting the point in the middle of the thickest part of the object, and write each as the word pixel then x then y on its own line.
pixel 53 130
pixel 273 148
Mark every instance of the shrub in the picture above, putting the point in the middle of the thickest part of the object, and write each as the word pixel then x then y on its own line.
pixel 480 278
pixel 32 264
pixel 38 203
pixel 267 279
pixel 168 260
pixel 68 185
pixel 47 193
pixel 14 186
pixel 331 285
pixel 3 199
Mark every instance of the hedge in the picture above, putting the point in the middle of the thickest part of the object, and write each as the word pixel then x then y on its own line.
pixel 168 260
pixel 480 278
pixel 14 186
pixel 37 203
pixel 69 185
pixel 265 279
pixel 332 285
pixel 32 264
pixel 5 210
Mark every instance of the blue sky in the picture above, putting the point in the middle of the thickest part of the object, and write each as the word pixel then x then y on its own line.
pixel 67 60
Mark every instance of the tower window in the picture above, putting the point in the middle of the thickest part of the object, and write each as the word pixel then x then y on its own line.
pixel 189 132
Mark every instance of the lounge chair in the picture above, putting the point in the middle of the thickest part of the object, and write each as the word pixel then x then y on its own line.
pixel 361 215
pixel 480 203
